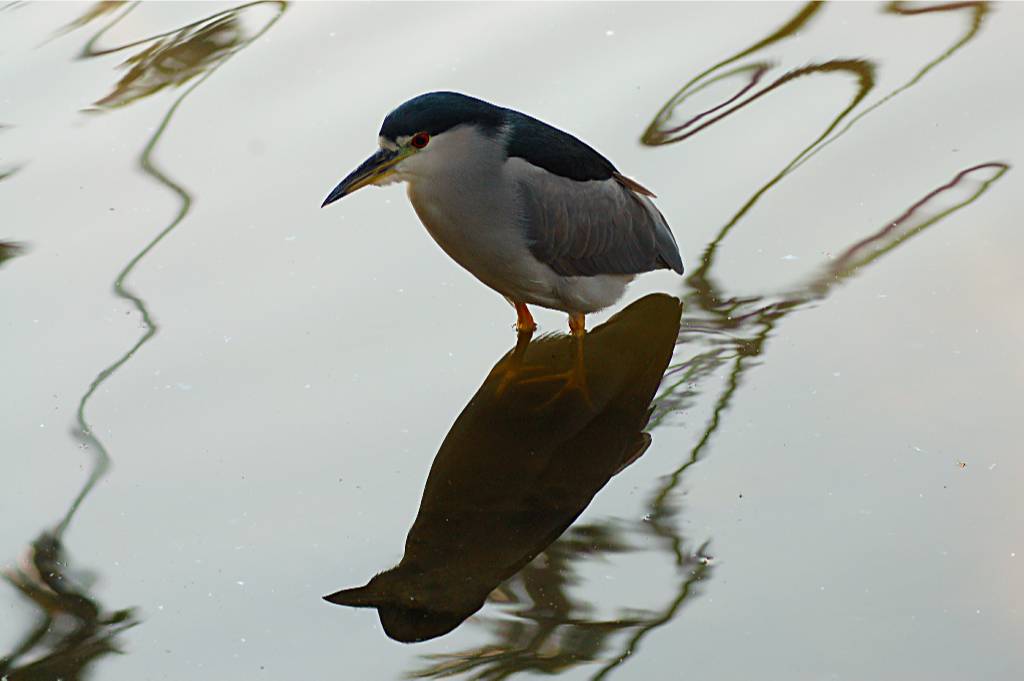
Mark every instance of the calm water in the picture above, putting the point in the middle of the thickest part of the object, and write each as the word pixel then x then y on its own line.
pixel 220 403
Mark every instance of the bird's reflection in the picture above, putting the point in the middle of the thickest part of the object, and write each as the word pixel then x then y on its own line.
pixel 518 467
pixel 724 335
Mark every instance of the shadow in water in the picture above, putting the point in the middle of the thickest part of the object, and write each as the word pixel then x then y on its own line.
pixel 72 630
pixel 519 465
pixel 723 335
pixel 727 339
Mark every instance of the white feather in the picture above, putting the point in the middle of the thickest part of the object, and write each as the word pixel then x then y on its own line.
pixel 463 189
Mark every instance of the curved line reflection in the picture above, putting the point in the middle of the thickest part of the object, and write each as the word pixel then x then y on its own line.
pixel 71 629
pixel 520 464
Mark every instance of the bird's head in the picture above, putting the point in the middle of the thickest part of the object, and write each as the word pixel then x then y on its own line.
pixel 422 134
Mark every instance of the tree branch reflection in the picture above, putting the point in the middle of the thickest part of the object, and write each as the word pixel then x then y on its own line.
pixel 10 249
pixel 739 338
pixel 723 334
pixel 72 629
pixel 979 10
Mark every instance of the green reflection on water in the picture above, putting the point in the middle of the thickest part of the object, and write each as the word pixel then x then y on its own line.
pixel 194 58
pixel 174 58
pixel 10 249
pixel 553 633
pixel 739 334
pixel 978 12
pixel 6 172
pixel 72 630
pixel 201 64
pixel 658 131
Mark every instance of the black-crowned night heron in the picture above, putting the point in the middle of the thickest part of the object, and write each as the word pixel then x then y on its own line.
pixel 529 210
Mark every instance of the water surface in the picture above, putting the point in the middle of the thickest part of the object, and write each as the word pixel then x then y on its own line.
pixel 221 403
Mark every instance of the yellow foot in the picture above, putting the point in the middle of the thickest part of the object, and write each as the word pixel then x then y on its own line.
pixel 516 371
pixel 514 368
pixel 513 375
pixel 573 380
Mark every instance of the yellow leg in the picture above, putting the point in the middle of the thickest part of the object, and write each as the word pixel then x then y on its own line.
pixel 524 320
pixel 575 379
pixel 514 367
pixel 577 324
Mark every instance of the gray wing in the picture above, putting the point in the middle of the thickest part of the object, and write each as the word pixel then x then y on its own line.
pixel 592 227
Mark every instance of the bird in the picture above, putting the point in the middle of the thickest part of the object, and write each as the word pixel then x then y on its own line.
pixel 530 210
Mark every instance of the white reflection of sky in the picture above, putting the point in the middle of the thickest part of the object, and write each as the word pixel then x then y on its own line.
pixel 260 294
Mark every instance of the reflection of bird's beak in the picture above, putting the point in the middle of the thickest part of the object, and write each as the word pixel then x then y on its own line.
pixel 378 166
pixel 358 597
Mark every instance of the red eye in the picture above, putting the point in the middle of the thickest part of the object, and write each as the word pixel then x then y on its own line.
pixel 420 139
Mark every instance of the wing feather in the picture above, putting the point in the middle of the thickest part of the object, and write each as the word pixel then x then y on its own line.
pixel 587 228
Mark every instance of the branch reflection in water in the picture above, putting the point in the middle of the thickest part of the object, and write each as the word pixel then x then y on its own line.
pixel 519 465
pixel 9 250
pixel 720 331
pixel 552 633
pixel 170 58
pixel 72 629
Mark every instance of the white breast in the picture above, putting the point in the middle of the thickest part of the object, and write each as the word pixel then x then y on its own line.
pixel 463 196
